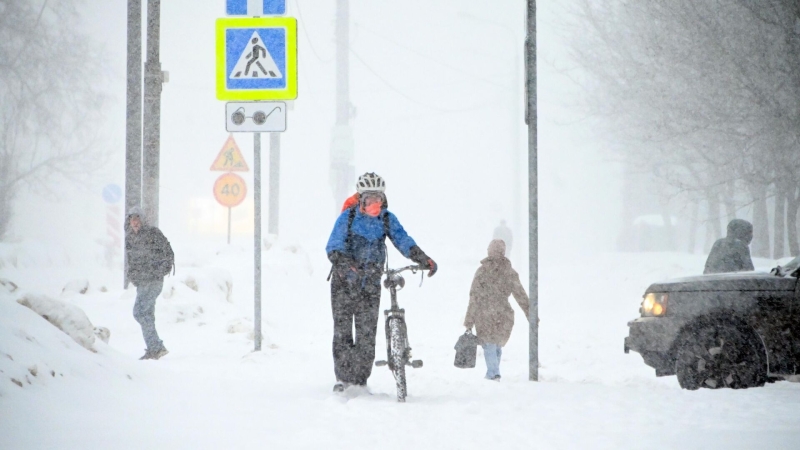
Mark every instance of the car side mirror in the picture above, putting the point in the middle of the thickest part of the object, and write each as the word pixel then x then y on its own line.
pixel 796 273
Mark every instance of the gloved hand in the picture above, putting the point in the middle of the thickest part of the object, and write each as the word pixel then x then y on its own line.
pixel 341 262
pixel 418 256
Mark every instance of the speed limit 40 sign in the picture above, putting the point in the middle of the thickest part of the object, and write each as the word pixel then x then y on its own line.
pixel 230 190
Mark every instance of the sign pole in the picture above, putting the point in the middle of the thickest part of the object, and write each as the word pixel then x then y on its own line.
pixel 274 181
pixel 533 208
pixel 257 233
pixel 229 225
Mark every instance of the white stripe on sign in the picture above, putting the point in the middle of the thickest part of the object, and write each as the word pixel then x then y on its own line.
pixel 255 8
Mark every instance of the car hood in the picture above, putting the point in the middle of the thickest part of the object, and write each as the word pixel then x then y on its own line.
pixel 739 281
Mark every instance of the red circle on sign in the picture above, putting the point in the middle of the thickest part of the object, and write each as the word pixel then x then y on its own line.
pixel 230 190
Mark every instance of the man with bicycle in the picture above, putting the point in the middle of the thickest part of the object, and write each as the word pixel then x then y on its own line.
pixel 357 249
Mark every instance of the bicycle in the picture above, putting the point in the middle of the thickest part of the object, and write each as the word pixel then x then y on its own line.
pixel 398 352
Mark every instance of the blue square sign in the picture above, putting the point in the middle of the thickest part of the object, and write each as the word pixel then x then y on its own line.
pixel 255 58
pixel 270 8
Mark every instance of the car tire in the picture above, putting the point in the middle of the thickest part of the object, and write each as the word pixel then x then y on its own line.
pixel 720 356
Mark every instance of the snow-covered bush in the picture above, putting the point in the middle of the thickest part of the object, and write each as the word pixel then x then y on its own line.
pixel 79 286
pixel 66 317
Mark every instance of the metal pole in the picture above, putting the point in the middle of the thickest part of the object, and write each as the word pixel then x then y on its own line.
pixel 342 171
pixel 533 179
pixel 229 225
pixel 257 234
pixel 274 181
pixel 152 114
pixel 133 119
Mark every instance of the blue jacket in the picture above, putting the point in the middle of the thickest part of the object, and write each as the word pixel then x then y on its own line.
pixel 366 244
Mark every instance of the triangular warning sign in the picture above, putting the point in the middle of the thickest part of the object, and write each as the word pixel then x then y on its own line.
pixel 255 61
pixel 230 158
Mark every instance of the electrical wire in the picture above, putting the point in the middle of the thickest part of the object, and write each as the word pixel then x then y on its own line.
pixel 308 38
pixel 430 58
pixel 402 94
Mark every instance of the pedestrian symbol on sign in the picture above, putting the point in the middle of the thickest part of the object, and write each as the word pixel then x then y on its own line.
pixel 255 61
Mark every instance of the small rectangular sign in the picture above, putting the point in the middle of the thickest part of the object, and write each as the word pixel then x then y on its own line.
pixel 270 7
pixel 255 117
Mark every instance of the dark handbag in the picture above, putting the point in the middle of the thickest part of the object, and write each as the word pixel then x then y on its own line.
pixel 466 350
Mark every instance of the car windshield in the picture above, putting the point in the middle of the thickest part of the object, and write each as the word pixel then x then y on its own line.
pixel 787 268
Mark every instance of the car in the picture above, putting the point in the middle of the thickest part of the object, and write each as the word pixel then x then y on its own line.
pixel 731 330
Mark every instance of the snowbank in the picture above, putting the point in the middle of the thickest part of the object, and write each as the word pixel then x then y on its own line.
pixel 68 318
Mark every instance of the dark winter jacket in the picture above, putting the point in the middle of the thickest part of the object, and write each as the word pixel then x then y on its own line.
pixel 149 253
pixel 489 310
pixel 365 244
pixel 731 253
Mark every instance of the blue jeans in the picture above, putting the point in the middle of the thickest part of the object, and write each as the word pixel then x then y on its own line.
pixel 492 353
pixel 144 311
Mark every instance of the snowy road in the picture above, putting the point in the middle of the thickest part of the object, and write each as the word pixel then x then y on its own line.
pixel 212 392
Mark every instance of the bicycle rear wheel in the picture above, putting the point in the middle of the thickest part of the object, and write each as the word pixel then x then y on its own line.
pixel 397 355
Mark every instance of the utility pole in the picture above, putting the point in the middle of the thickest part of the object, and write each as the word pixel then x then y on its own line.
pixel 342 171
pixel 533 208
pixel 133 116
pixel 152 114
pixel 274 181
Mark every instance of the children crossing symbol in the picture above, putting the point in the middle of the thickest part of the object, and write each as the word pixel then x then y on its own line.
pixel 255 61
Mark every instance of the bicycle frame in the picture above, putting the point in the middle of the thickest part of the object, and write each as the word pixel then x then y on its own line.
pixel 398 358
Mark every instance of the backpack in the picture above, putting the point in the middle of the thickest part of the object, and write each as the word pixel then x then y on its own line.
pixel 169 262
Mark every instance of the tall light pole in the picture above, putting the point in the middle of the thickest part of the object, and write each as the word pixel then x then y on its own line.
pixel 153 77
pixel 133 115
pixel 342 170
pixel 533 179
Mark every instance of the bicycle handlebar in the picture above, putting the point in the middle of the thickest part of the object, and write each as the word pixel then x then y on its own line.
pixel 413 268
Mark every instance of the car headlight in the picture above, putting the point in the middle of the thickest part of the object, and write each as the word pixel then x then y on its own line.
pixel 654 305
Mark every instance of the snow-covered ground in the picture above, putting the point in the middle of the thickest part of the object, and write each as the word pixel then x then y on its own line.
pixel 213 392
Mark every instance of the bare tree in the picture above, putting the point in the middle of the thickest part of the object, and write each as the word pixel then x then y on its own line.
pixel 709 88
pixel 50 102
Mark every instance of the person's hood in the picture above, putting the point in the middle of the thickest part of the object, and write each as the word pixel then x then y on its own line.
pixel 741 230
pixel 135 211
pixel 497 249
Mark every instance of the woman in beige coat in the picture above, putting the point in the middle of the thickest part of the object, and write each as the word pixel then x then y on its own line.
pixel 489 310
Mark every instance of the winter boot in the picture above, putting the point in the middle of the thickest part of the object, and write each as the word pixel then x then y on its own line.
pixel 147 355
pixel 159 353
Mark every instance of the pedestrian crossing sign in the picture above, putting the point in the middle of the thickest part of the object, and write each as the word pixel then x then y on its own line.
pixel 257 58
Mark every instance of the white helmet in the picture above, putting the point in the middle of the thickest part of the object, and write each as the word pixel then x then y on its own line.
pixel 370 182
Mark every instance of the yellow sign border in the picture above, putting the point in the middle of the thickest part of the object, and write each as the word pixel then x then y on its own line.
pixel 288 93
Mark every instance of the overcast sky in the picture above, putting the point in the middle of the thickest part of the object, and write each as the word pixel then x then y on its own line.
pixel 438 91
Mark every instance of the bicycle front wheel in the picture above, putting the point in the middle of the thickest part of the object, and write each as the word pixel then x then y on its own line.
pixel 397 355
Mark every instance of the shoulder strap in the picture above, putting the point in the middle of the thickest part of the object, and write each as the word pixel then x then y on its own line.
pixel 386 224
pixel 351 215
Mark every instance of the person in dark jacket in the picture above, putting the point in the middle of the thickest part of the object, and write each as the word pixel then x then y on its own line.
pixel 150 258
pixel 489 311
pixel 731 253
pixel 357 249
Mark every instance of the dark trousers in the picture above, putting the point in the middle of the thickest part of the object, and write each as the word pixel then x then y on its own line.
pixel 355 300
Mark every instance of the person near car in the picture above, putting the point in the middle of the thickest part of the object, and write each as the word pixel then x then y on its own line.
pixel 489 310
pixel 732 253
pixel 357 250
pixel 150 259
